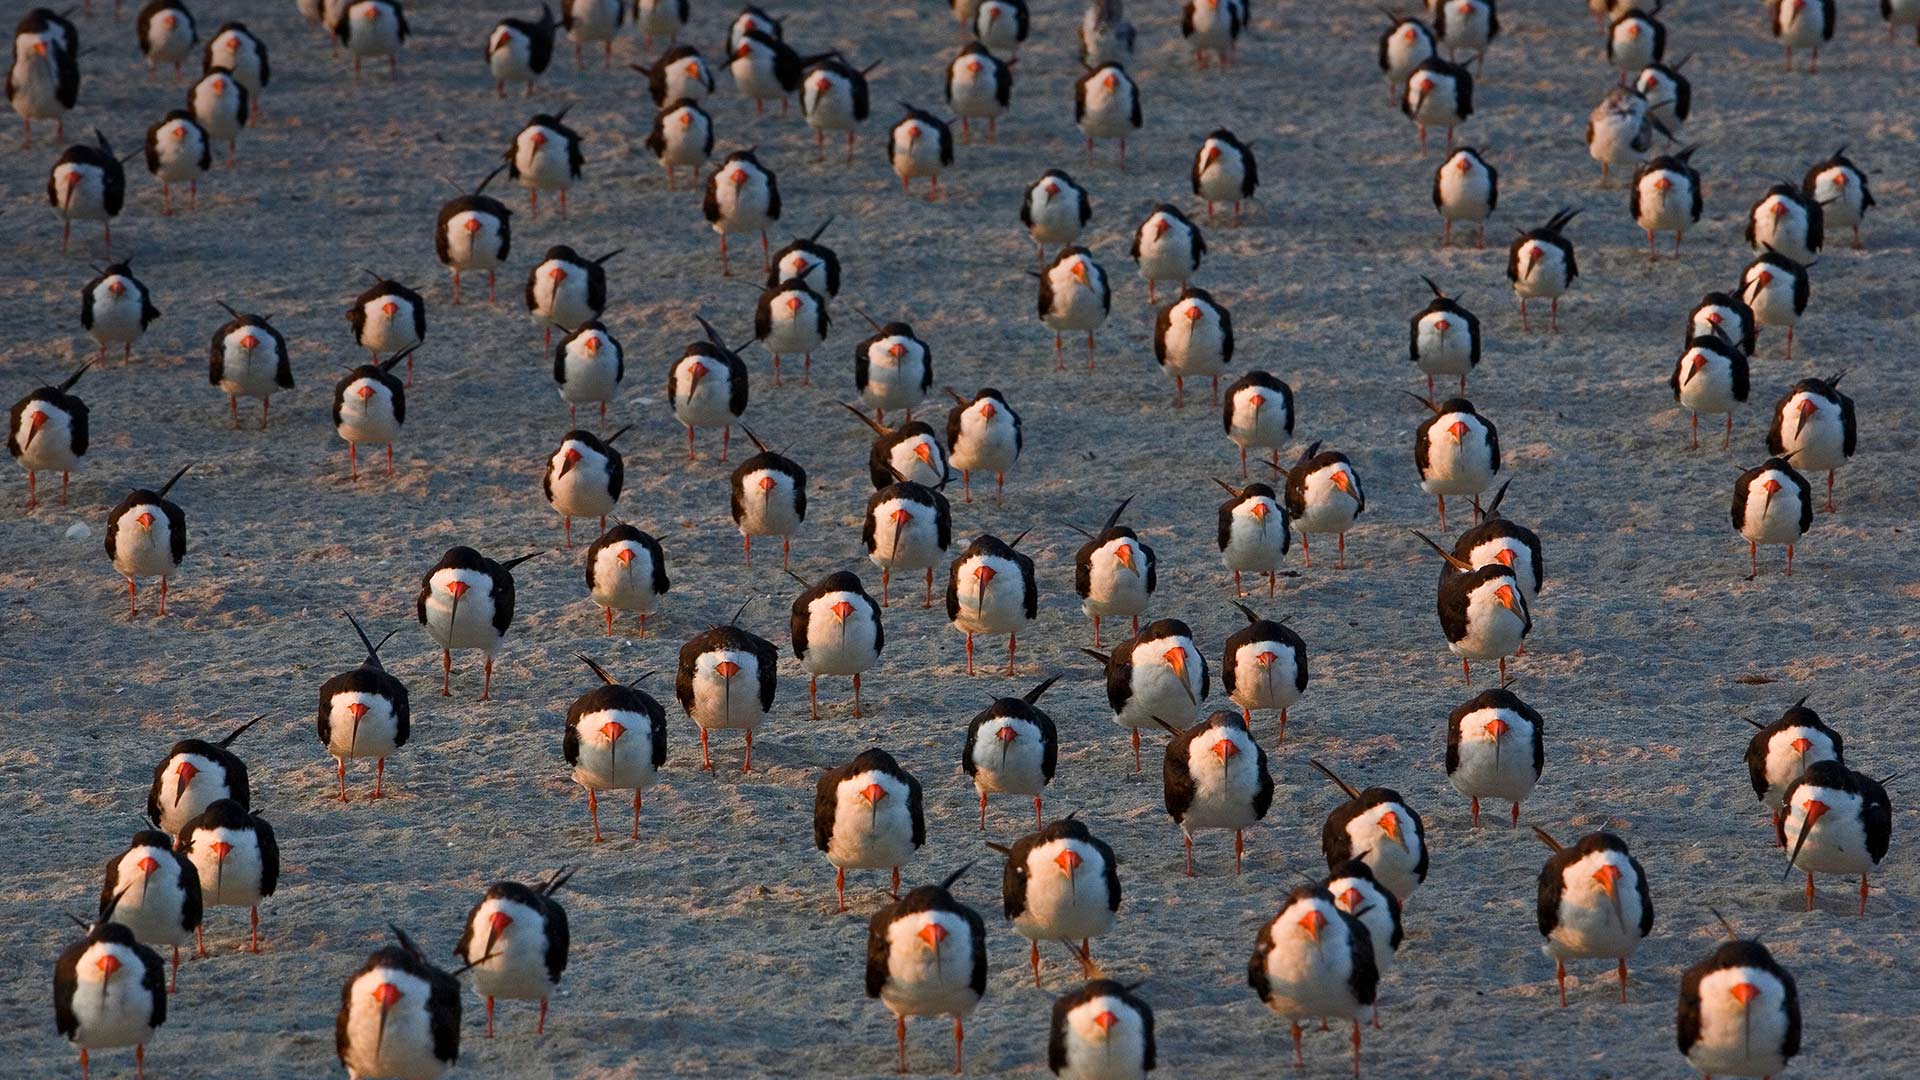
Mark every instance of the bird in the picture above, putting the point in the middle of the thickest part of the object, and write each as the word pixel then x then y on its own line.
pixel 399 1015
pixel 587 367
pixel 1787 222
pixel 909 526
pixel 1314 961
pixel 1264 667
pixel 167 35
pixel 1106 36
pixel 1438 92
pixel 153 891
pixel 1495 748
pixel 765 67
pixel 1739 1011
pixel 1193 336
pixel 370 405
pixel 387 318
pixel 708 387
pixel 984 434
pixel 1073 295
pixel 178 149
pixel 921 144
pixel 1167 247
pixel 682 137
pixel 975 607
pixel 43 82
pixel 712 664
pixel 1457 452
pixel 1669 94
pixel 1636 39
pixel 237 857
pixel 1710 316
pixel 464 578
pixel 520 50
pixel 248 357
pixel 1665 194
pixel 1839 188
pixel 1505 542
pixel 1466 24
pixel 590 21
pixel 1620 130
pixel 833 97
pixel 546 155
pixel 1224 170
pixel 1209 25
pixel 836 630
pixel 372 29
pixel 515 942
pixel 1106 105
pixel 1541 263
pixel 1813 427
pixel 914 971
pixel 1012 747
pixel 1377 827
pixel 584 476
pixel 742 196
pixel 1157 675
pixel 1594 904
pixel 474 231
pixel 1102 1031
pixel 1805 24
pixel 1253 535
pixel 893 369
pixel 1711 375
pixel 364 713
pixel 1404 46
pixel 979 87
pixel 807 261
pixel 1258 415
pixel 47 431
pixel 791 318
pixel 1061 882
pixel 681 74
pixel 769 498
pixel 1776 289
pixel 1763 515
pixel 1055 210
pixel 1358 893
pixel 626 570
pixel 147 537
pixel 753 17
pixel 88 183
pixel 655 18
pixel 566 290
pixel 1466 187
pixel 1322 494
pixel 1483 611
pixel 1835 821
pixel 1114 573
pixel 240 51
pixel 868 815
pixel 219 103
pixel 1204 787
pixel 1443 338
pixel 1778 753
pixel 109 991
pixel 174 798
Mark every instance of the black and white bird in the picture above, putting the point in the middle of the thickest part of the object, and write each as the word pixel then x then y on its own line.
pixel 1776 289
pixel 1541 263
pixel 1666 195
pixel 1788 222
pixel 1495 750
pixel 1739 1012
pixel 178 151
pixel 1358 893
pixel 927 956
pixel 584 478
pixel 661 18
pixel 109 991
pixel 167 35
pixel 590 21
pixel 1620 130
pixel 908 527
pixel 1055 210
pixel 682 137
pixel 979 87
pixel 466 602
pixel 43 79
pixel 765 67
pixel 1012 748
pixel 152 890
pixel 1469 25
pixel 836 630
pixel 1106 36
pixel 867 815
pixel 893 369
pixel 1781 751
pixel 1404 46
pixel 219 103
pixel 1102 1031
pixel 753 17
pixel 1314 961
pixel 1257 414
pixel 1252 535
pixel 769 498
pixel 789 317
pixel 369 406
pixel 1167 247
pixel 742 196
pixel 399 1015
pixel 708 387
pixel 587 367
pixel 975 606
pixel 681 74
pixel 833 97
pixel 364 713
pixel 984 434
pixel 1594 904
pixel 546 155
pixel 1215 777
pixel 1323 495
pixel 1377 827
pixel 1837 186
pixel 1803 24
pixel 1001 24
pixel 194 775
pixel 725 682
pixel 240 51
pixel 1669 94
pixel 1772 504
pixel 371 29
pixel 1834 820
pixel 921 144
pixel 1264 666
pixel 1437 93
pixel 248 358
pixel 515 942
pixel 474 231
pixel 1209 25
pixel 911 451
pixel 1443 338
pixel 808 261
pixel 566 290
pixel 147 537
pixel 1106 105
pixel 388 318
pixel 1114 573
pixel 626 570
pixel 1501 541
pixel 521 50
pixel 1483 610
pixel 237 857
pixel 1635 40
pixel 47 432
pixel 1465 188
pixel 597 723
pixel 1814 429
pixel 1724 315
pixel 1192 337
pixel 88 183
pixel 1157 676
pixel 1457 452
pixel 1061 883
pixel 1223 171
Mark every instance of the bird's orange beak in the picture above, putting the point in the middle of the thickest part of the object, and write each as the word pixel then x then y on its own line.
pixel 558 274
pixel 984 574
pixel 249 343
pixel 1815 810
pixel 457 587
pixel 896 350
pixel 1464 165
pixel 219 88
pixel 145 521
pixel 1124 556
pixel 386 994
pixel 1766 278
pixel 1390 824
pixel 925 454
pixel 793 305
pixel 624 556
pixel 1225 750
pixel 933 934
pixel 1105 1022
pixel 1068 861
pixel 1609 877
pixel 841 610
pixel 1110 82
pixel 973 67
pixel 221 849
pixel 1504 557
pixel 686 120
pixel 498 922
pixel 1458 429
pixel 357 710
pixel 1440 326
pixel 1350 900
pixel 1504 594
pixel 986 410
pixel 1662 184
pixel 1801 745
pixel 108 964
pixel 738 176
pixel 1771 487
pixel 821 86
pixel 726 669
pixel 148 864
pixel 473 225
pixel 389 309
pixel 592 345
pixel 1496 728
pixel 1342 481
pixel 1313 922
pixel 116 287
pixel 1744 993
pixel 902 516
pixel 766 483
pixel 1006 734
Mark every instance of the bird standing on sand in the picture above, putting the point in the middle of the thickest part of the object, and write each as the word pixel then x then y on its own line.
pixel 708 387
pixel 1739 1011
pixel 147 537
pixel 1780 752
pixel 1594 904
pixel 1541 264
pixel 626 571
pixel 1457 452
pixel 47 432
pixel 1159 675
pixel 1711 376
pixel 1483 611
pixel 1012 747
pixel 1377 827
pixel 152 890
pixel 237 857
pixel 1834 820
pixel 1495 749
pixel 867 815
pixel 769 498
pixel 474 231
pixel 927 956
pixel 364 713
pixel 1114 574
pixel 466 602
pixel 743 196
pixel 1443 338
pixel 1323 495
pixel 1253 536
pixel 1061 883
pixel 88 183
pixel 726 681
pixel 984 434
pixel 109 991
pixel 1264 667
pixel 515 943
pixel 1813 427
pixel 1772 504
pixel 194 775
pixel 1106 105
pixel 975 606
pixel 836 630
pixel 1314 961
pixel 1215 777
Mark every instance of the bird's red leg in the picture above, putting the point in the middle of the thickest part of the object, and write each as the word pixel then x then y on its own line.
pixel 593 811
pixel 840 886
pixel 163 581
pixel 1623 980
pixel 900 1033
pixel 1343 551
pixel 446 672
pixel 541 1027
pixel 1011 641
pixel 636 813
pixel 1034 956
pixel 1476 811
pixel 176 971
pixel 1189 840
pixel 856 697
pixel 379 777
pixel 1299 1058
pixel 929 601
pixel 1560 976
pixel 1466 666
pixel 1239 849
pixel 133 599
pixel 1516 816
pixel 983 811
pixel 813 696
pixel 253 934
pixel 489 1016
pixel 1136 749
pixel 1038 821
pixel 969 654
pixel 896 883
pixel 1443 512
pixel 1809 890
pixel 486 688
pixel 342 770
pixel 1863 896
pixel 746 764
pixel 1356 1048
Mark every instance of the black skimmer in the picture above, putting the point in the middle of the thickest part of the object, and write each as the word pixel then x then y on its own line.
pixel 1495 749
pixel 836 630
pixel 1443 338
pixel 465 580
pixel 388 318
pixel 1158 675
pixel 713 665
pixel 369 406
pixel 1377 827
pixel 1258 415
pixel 1594 904
pixel 1720 314
pixel 399 1015
pixel 1465 188
pixel 1253 535
pixel 371 29
pixel 979 87
pixel 1788 221
pixel 1457 452
pixel 974 606
pixel 1803 24
pixel 596 723
pixel 1779 752
pixel 1073 296
pixel 868 815
pixel 1711 376
pixel 1323 495
pixel 1012 747
pixel 516 942
pixel 178 151
pixel 593 21
pixel 1114 573
pixel 1106 37
pixel 1483 611
pixel 194 775
pixel 833 97
pixel 791 318
pixel 116 309
pixel 909 526
pixel 743 196
pixel 88 183
pixel 520 50
pixel 147 537
pixel 1666 195
pixel 546 155
pixel 43 80
pixel 364 713
pixel 911 451
pixel 1358 893
pixel 1106 105
pixel 47 432
pixel 1193 338
pixel 109 991
pixel 166 33
pixel 708 387
pixel 1055 210
pixel 588 366
pixel 1541 263
pixel 237 857
pixel 584 477
pixel 682 137
pixel 1404 46
pixel 1772 504
pixel 152 890
pixel 1814 428
pixel 248 358
pixel 1834 820
pixel 1264 667
pixel 1777 289
pixel 1836 185
pixel 626 571
pixel 474 231
pixel 1205 787
pixel 983 435
pixel 927 956
pixel 769 498
pixel 1739 1011
pixel 1502 540
pixel 1437 92
pixel 237 49
pixel 893 369
pixel 1314 961
pixel 1061 883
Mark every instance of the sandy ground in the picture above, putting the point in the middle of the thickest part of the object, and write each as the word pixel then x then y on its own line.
pixel 710 946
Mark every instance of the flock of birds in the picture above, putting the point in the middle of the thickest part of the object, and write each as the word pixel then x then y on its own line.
pixel 1328 950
